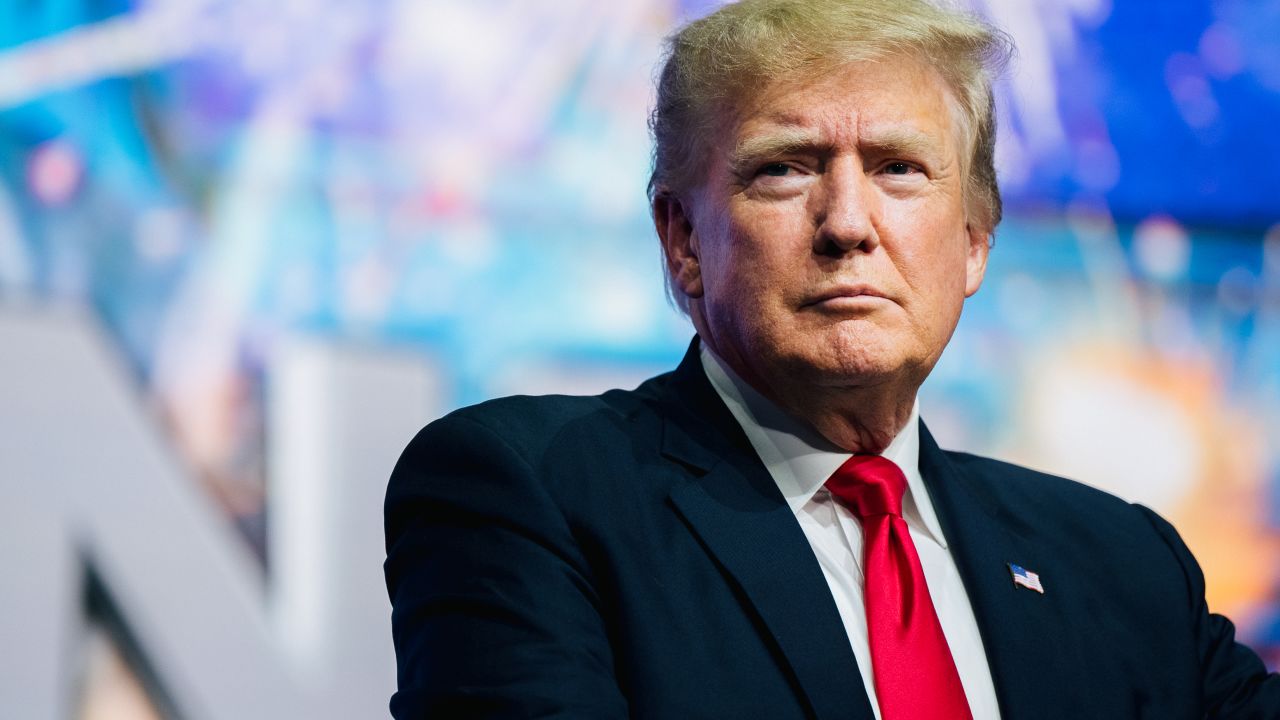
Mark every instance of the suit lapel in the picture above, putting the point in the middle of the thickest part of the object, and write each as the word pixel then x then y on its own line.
pixel 737 512
pixel 1026 634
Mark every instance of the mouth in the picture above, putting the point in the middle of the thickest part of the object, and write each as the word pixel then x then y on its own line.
pixel 845 295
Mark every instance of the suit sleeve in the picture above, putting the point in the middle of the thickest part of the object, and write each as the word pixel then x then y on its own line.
pixel 1234 681
pixel 493 611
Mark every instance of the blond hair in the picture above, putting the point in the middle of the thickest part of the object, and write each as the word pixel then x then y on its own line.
pixel 719 60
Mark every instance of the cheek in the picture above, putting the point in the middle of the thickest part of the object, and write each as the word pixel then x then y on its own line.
pixel 759 250
pixel 739 281
pixel 936 271
pixel 935 250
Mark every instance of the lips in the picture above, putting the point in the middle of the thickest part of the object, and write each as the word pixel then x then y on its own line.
pixel 845 291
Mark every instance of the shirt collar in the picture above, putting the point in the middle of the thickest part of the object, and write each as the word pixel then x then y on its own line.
pixel 800 460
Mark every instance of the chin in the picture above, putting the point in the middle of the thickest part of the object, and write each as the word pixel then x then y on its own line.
pixel 830 365
pixel 856 358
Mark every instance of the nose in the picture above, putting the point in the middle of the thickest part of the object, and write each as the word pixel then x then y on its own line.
pixel 848 210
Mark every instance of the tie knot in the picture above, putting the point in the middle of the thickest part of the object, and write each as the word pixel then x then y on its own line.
pixel 869 485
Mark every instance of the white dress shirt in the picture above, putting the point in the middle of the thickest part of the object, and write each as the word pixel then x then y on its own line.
pixel 800 461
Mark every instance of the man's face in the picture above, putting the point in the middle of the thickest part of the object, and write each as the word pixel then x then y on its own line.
pixel 828 245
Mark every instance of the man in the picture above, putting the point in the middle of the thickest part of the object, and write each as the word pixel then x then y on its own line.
pixel 769 531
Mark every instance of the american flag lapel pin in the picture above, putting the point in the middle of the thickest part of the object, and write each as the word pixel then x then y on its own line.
pixel 1025 578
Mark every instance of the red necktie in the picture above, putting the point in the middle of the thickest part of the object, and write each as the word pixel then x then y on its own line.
pixel 915 676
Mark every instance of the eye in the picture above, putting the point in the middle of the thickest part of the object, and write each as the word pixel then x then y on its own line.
pixel 898 168
pixel 774 170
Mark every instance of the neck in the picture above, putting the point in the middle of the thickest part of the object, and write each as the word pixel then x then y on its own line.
pixel 856 417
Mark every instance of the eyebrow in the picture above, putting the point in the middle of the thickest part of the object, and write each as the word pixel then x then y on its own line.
pixel 902 141
pixel 793 140
pixel 782 141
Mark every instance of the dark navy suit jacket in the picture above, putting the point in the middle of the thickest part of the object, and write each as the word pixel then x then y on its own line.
pixel 628 555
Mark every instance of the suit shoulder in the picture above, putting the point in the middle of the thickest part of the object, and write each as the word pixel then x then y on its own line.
pixel 1025 487
pixel 528 425
pixel 539 414
pixel 1080 523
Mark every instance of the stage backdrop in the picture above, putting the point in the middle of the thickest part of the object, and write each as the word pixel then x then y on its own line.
pixel 464 181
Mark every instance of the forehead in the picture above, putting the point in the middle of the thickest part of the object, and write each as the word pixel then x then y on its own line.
pixel 897 99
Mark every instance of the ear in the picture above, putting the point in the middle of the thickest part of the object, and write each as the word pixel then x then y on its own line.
pixel 976 262
pixel 679 244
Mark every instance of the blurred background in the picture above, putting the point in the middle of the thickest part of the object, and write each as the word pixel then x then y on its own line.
pixel 246 249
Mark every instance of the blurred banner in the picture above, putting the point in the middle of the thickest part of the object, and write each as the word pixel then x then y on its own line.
pixel 291 232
